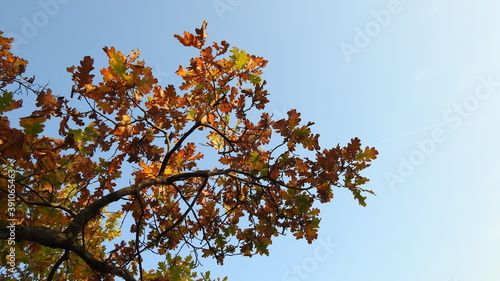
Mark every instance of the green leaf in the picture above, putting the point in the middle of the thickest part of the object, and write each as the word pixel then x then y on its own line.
pixel 5 101
pixel 302 133
pixel 254 158
pixel 191 115
pixel 33 125
pixel 82 137
pixel 117 63
pixel 283 158
pixel 264 172
pixel 217 141
pixel 240 57
pixel 361 199
pixel 261 248
pixel 91 133
pixel 366 155
pixel 303 203
pixel 86 135
pixel 254 79
pixel 226 118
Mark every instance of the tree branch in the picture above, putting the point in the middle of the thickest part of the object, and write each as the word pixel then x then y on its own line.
pixel 40 234
pixel 176 147
pixel 62 259
pixel 67 239
pixel 59 240
pixel 94 209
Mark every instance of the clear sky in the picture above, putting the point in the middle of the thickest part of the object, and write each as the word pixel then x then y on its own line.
pixel 419 80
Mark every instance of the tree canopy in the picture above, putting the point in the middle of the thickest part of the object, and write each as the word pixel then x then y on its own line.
pixel 122 167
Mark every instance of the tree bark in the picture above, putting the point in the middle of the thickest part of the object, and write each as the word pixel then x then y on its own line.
pixel 59 240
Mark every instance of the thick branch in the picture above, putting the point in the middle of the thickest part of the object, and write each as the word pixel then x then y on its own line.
pixel 59 240
pixel 101 266
pixel 39 234
pixel 94 209
pixel 66 239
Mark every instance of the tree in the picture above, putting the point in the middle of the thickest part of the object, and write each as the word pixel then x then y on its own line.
pixel 133 167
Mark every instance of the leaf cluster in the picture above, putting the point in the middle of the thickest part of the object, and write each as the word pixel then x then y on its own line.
pixel 72 185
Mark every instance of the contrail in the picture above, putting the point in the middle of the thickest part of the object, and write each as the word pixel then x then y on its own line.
pixel 413 132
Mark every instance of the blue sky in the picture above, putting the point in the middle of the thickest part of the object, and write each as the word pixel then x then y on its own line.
pixel 420 81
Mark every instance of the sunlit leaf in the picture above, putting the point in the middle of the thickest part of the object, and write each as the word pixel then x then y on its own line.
pixel 240 57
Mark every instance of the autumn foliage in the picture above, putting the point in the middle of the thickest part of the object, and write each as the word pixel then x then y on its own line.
pixel 123 167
